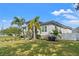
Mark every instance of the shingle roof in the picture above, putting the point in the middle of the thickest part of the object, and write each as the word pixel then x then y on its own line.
pixel 56 23
pixel 52 22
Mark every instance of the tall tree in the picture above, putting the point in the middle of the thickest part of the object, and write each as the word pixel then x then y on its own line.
pixel 34 26
pixel 76 6
pixel 19 22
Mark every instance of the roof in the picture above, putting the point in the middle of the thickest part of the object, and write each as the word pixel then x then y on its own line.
pixel 54 23
pixel 29 21
pixel 57 24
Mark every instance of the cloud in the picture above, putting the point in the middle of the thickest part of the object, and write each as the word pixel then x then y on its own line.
pixel 62 11
pixel 69 16
pixel 71 22
pixel 74 21
pixel 3 20
pixel 71 19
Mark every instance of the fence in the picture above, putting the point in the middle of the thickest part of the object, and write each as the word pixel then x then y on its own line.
pixel 70 36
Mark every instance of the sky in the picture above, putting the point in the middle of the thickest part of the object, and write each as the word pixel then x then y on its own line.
pixel 63 13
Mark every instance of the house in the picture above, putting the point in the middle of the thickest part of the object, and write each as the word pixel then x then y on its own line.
pixel 47 27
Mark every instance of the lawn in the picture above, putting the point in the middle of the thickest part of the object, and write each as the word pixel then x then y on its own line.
pixel 39 48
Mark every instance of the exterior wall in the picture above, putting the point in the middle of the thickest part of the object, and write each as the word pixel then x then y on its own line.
pixel 59 28
pixel 49 29
pixel 52 27
pixel 68 31
pixel 63 30
pixel 70 36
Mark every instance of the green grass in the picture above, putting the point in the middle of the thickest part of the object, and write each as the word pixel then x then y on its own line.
pixel 39 48
pixel 8 38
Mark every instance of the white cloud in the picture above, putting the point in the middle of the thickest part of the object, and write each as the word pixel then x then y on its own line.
pixel 74 21
pixel 69 16
pixel 71 22
pixel 3 20
pixel 62 11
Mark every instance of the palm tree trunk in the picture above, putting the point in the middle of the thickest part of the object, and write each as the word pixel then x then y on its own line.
pixel 34 34
pixel 24 35
pixel 21 30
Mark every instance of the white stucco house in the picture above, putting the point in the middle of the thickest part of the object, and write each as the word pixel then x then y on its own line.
pixel 47 27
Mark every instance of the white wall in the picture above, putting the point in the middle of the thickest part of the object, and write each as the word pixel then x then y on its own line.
pixel 68 31
pixel 52 27
pixel 49 29
pixel 70 36
pixel 65 30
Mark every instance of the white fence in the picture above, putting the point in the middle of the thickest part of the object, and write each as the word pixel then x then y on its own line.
pixel 70 36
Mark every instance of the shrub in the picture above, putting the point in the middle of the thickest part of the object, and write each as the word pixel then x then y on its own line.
pixel 56 33
pixel 38 36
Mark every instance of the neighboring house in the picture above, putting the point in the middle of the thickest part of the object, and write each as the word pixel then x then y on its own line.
pixel 47 27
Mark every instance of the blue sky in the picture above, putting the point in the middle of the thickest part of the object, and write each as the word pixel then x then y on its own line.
pixel 61 12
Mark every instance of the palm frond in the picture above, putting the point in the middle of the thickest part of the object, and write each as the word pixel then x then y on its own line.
pixel 18 21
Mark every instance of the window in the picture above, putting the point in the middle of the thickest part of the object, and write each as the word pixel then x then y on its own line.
pixel 44 29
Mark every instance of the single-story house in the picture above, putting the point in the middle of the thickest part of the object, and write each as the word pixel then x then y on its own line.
pixel 47 27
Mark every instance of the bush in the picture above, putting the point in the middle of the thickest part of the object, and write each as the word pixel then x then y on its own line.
pixel 38 36
pixel 51 38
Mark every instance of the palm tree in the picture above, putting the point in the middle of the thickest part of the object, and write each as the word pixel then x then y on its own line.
pixel 34 26
pixel 76 6
pixel 18 21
